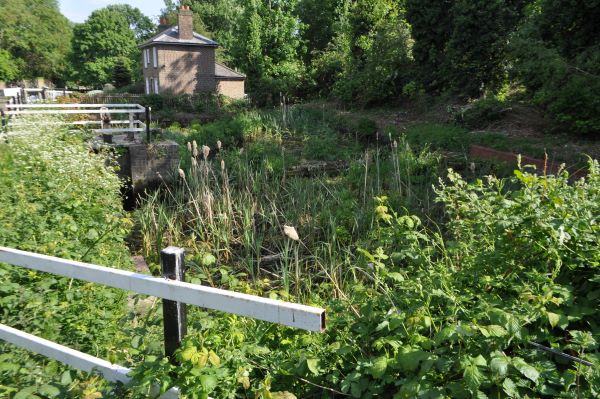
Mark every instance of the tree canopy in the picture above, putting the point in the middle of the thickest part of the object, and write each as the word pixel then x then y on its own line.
pixel 34 40
pixel 109 37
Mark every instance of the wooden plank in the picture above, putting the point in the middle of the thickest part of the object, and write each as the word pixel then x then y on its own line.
pixel 79 360
pixel 286 313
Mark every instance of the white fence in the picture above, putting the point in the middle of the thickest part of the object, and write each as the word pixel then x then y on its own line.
pixel 133 123
pixel 290 314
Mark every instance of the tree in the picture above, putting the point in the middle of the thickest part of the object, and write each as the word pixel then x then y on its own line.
pixel 476 49
pixel 555 54
pixel 269 48
pixel 431 25
pixel 142 26
pixel 9 67
pixel 375 39
pixel 319 18
pixel 37 38
pixel 104 38
pixel 122 72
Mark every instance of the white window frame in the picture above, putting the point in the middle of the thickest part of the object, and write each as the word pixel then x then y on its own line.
pixel 155 57
pixel 156 86
pixel 146 58
pixel 147 86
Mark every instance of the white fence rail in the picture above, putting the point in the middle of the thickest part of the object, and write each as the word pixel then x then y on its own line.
pixel 289 314
pixel 79 360
pixel 133 124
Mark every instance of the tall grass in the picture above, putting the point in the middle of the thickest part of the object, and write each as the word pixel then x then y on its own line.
pixel 232 204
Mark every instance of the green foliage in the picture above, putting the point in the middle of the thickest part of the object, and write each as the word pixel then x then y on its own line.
pixel 461 45
pixel 556 57
pixel 9 67
pixel 367 130
pixel 377 51
pixel 36 36
pixel 103 40
pixel 58 199
pixel 431 26
pixel 480 113
pixel 268 49
pixel 122 73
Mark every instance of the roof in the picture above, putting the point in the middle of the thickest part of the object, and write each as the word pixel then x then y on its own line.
pixel 171 36
pixel 226 73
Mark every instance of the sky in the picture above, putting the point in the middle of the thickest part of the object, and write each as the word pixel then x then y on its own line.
pixel 79 10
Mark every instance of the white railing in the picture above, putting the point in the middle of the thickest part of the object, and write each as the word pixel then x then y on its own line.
pixel 175 294
pixel 134 124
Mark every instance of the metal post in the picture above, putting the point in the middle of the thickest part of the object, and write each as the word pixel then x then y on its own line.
pixel 174 313
pixel 148 123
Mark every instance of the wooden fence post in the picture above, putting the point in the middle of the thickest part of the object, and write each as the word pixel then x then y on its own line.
pixel 174 313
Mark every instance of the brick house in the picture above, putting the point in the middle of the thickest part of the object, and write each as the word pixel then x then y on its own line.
pixel 181 61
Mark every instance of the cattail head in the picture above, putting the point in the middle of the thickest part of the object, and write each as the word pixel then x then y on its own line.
pixel 290 232
pixel 219 145
pixel 222 165
pixel 205 151
pixel 395 144
pixel 194 144
pixel 189 146
pixel 194 162
pixel 181 173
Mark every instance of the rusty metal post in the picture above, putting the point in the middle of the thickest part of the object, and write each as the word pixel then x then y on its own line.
pixel 174 313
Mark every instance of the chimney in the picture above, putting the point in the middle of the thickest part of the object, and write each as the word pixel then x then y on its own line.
pixel 164 24
pixel 186 23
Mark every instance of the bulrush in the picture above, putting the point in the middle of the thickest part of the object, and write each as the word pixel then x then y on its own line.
pixel 205 151
pixel 182 174
pixel 222 165
pixel 189 146
pixel 219 145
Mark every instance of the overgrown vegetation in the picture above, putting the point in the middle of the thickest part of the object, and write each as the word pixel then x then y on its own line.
pixel 58 199
pixel 444 304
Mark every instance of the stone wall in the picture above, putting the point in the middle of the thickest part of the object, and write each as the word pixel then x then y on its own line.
pixel 147 163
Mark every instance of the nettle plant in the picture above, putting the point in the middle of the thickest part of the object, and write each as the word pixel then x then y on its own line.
pixel 460 308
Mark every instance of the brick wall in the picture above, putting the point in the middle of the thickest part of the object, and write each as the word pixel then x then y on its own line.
pixel 231 88
pixel 187 69
pixel 186 24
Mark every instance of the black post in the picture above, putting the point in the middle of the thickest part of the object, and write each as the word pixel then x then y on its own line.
pixel 174 313
pixel 148 124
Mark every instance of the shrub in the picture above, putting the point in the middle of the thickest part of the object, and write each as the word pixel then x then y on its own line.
pixel 60 199
pixel 366 130
pixel 480 113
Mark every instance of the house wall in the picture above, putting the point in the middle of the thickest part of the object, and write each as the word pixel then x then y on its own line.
pixel 150 72
pixel 186 69
pixel 231 88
